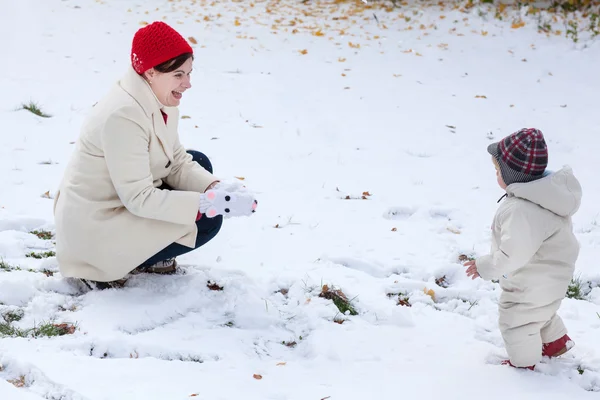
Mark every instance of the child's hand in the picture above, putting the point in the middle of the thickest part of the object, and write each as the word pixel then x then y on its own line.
pixel 472 270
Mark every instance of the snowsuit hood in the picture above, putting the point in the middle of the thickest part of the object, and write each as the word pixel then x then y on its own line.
pixel 559 192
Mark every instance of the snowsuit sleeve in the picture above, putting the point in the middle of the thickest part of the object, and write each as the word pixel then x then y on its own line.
pixel 125 145
pixel 519 242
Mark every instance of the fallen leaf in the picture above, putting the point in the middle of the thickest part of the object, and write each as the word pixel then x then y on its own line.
pixel 354 46
pixel 394 229
pixel 318 33
pixel 18 382
pixel 429 293
pixel 185 117
pixel 214 286
pixel 480 97
pixel 303 51
pixel 241 178
pixel 192 40
pixel 397 75
pixel 341 59
pixel 65 329
pixel 194 395
pixel 517 25
pixel 279 364
pixel 237 22
pixel 343 74
pixel 484 33
pixel 453 230
pixel 257 376
pixel 144 23
pixel 46 195
pixel 524 60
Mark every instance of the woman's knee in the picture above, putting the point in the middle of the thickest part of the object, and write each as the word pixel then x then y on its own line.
pixel 201 159
pixel 208 228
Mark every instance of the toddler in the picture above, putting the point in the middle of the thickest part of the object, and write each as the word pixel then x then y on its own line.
pixel 533 249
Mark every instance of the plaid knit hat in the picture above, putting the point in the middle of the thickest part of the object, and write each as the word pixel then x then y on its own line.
pixel 522 156
pixel 154 44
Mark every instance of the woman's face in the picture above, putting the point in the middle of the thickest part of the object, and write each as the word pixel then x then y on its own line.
pixel 169 86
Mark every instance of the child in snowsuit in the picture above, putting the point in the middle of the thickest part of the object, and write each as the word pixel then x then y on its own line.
pixel 533 250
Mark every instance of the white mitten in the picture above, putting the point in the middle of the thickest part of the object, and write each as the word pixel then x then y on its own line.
pixel 219 201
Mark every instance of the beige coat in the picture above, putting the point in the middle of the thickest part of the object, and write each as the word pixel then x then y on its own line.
pixel 533 254
pixel 110 216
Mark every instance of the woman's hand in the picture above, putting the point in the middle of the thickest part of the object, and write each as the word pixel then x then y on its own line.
pixel 472 269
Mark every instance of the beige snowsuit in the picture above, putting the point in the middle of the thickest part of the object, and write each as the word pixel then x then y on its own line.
pixel 533 254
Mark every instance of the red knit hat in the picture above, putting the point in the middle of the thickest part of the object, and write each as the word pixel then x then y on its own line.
pixel 154 44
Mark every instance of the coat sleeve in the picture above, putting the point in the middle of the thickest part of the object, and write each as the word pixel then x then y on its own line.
pixel 187 174
pixel 518 244
pixel 125 145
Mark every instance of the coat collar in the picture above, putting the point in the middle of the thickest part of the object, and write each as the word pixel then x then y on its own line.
pixel 140 90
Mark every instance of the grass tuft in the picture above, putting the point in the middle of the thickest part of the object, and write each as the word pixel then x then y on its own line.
pixel 578 289
pixel 34 108
pixel 44 330
pixel 12 316
pixel 41 255
pixel 42 234
pixel 339 299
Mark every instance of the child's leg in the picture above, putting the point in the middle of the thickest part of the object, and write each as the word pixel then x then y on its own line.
pixel 523 343
pixel 553 329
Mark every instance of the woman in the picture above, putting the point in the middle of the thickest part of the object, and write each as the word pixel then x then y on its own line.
pixel 132 198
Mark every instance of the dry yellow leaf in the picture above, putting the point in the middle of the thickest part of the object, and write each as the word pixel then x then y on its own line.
pixel 303 51
pixel 192 40
pixel 354 46
pixel 479 96
pixel 343 74
pixel 501 7
pixel 517 25
pixel 418 54
pixel 453 230
pixel 279 364
pixel 484 33
pixel 241 178
pixel 185 117
pixel 237 22
pixel 318 33
pixel 397 75
pixel 429 293
pixel 143 23
pixel 341 59
pixel 257 376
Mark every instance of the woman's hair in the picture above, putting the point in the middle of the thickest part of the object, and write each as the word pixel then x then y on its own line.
pixel 174 63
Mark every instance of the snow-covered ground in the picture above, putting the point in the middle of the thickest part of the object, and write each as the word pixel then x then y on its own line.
pixel 313 109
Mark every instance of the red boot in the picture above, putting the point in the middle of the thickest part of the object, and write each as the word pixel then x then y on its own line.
pixel 558 347
pixel 507 362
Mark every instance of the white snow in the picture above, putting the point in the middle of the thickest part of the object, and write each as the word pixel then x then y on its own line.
pixel 404 124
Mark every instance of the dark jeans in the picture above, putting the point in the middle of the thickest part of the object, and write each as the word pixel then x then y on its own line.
pixel 207 227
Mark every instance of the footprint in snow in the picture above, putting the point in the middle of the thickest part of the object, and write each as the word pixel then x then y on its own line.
pixel 401 212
